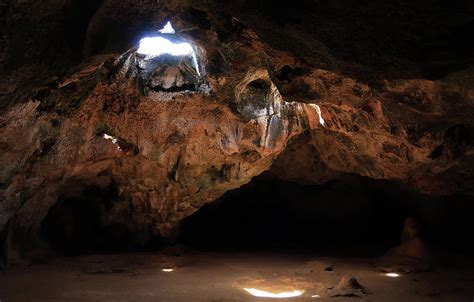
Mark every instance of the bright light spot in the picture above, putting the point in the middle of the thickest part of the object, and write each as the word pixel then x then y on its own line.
pixel 265 294
pixel 315 296
pixel 168 270
pixel 154 47
pixel 321 120
pixel 157 46
pixel 112 139
pixel 393 275
pixel 168 29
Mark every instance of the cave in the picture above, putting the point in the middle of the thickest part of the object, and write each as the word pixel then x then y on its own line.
pixel 201 150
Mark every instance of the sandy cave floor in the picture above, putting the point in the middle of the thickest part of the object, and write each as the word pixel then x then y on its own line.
pixel 205 276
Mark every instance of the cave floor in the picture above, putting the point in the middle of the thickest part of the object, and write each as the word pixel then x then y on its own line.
pixel 206 276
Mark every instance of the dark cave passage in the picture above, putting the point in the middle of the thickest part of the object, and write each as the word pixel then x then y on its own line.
pixel 81 224
pixel 352 216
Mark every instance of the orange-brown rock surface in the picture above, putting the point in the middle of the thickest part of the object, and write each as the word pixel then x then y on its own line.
pixel 166 152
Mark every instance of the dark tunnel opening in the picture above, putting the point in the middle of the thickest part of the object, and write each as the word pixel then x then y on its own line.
pixel 353 216
pixel 78 224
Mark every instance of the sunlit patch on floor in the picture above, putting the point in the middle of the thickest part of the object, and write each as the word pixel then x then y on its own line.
pixel 265 294
pixel 275 287
pixel 168 270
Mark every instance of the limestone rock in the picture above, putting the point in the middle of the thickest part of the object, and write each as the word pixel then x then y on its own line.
pixel 348 286
pixel 412 255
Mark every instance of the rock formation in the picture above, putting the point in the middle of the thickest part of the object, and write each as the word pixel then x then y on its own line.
pixel 412 255
pixel 153 140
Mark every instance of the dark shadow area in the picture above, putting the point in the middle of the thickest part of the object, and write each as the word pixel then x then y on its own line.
pixel 77 15
pixel 352 216
pixel 39 42
pixel 85 223
pixel 3 247
pixel 371 39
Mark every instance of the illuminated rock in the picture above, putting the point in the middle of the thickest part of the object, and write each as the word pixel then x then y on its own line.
pixel 138 150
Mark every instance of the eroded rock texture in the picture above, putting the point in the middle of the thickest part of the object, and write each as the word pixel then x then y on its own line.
pixel 150 141
pixel 161 153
